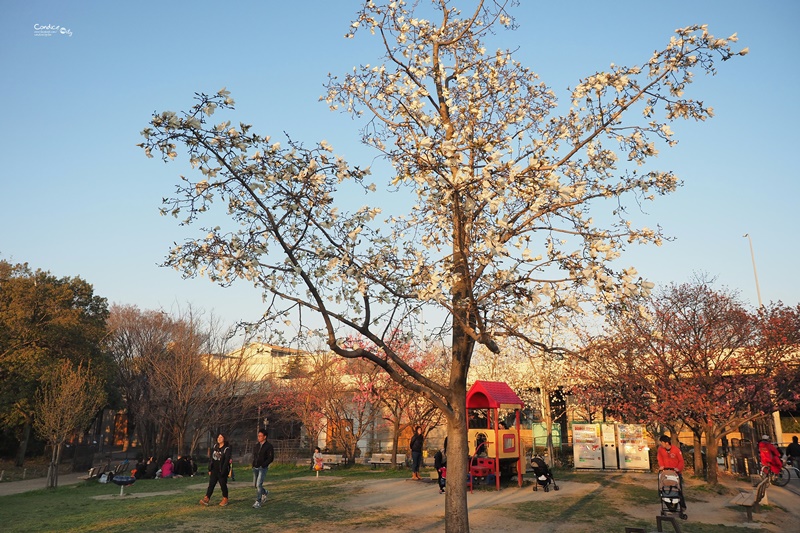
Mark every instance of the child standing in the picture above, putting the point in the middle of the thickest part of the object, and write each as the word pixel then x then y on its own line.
pixel 319 461
pixel 440 464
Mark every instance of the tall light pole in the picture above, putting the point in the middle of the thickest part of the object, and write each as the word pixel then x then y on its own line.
pixel 776 415
pixel 755 272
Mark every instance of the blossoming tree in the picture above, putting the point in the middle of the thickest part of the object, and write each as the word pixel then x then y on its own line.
pixel 502 188
pixel 696 356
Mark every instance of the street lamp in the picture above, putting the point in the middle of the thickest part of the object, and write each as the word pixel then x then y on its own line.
pixel 776 415
pixel 755 272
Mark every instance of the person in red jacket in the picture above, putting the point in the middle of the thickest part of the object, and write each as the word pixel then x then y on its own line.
pixel 167 469
pixel 670 456
pixel 770 456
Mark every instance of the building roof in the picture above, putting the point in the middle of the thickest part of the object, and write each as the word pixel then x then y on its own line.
pixel 494 395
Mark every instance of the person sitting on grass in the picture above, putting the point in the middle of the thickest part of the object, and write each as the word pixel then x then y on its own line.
pixel 151 469
pixel 167 469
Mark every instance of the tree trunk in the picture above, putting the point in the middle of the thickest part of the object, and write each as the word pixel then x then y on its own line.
pixel 395 439
pixel 456 513
pixel 548 425
pixel 455 510
pixel 712 450
pixel 23 443
pixel 465 319
pixel 180 435
pixel 698 455
pixel 52 469
pixel 196 440
pixel 130 431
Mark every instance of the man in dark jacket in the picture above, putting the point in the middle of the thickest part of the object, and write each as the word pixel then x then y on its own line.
pixel 793 452
pixel 263 455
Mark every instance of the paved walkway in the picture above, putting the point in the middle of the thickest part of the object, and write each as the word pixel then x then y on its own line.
pixel 16 487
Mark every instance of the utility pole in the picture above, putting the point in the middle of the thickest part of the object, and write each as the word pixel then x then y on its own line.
pixel 755 272
pixel 776 416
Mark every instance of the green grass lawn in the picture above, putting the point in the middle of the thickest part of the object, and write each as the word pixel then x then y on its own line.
pixel 292 506
pixel 297 503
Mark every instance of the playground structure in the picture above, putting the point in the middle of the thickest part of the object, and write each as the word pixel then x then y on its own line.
pixel 493 448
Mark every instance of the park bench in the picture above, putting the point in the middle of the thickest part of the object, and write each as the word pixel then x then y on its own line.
pixel 97 471
pixel 330 460
pixel 750 499
pixel 94 472
pixel 386 459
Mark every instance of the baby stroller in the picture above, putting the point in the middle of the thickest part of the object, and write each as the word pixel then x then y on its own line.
pixel 543 475
pixel 669 492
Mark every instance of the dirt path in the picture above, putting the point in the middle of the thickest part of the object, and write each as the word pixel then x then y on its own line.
pixel 418 507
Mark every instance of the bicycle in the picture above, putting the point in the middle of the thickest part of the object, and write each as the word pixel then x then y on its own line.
pixel 788 465
pixel 781 479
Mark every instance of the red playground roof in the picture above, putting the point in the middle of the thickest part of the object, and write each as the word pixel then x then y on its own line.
pixel 494 395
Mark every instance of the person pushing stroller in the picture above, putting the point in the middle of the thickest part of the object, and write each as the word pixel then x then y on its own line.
pixel 670 458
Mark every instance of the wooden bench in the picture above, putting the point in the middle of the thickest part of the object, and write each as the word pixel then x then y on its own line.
pixel 330 460
pixel 750 499
pixel 386 459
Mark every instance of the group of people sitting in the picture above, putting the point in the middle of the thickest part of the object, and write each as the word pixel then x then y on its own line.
pixel 184 466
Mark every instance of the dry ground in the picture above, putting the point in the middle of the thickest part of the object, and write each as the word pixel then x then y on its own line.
pixel 418 507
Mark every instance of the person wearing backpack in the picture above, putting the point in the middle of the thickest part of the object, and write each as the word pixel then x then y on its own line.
pixel 263 455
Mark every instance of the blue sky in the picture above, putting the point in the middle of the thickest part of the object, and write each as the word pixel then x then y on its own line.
pixel 78 198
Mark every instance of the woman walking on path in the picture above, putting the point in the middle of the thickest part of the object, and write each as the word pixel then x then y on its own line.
pixel 416 452
pixel 218 470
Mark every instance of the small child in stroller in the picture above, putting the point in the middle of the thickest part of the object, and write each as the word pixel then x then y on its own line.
pixel 543 475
